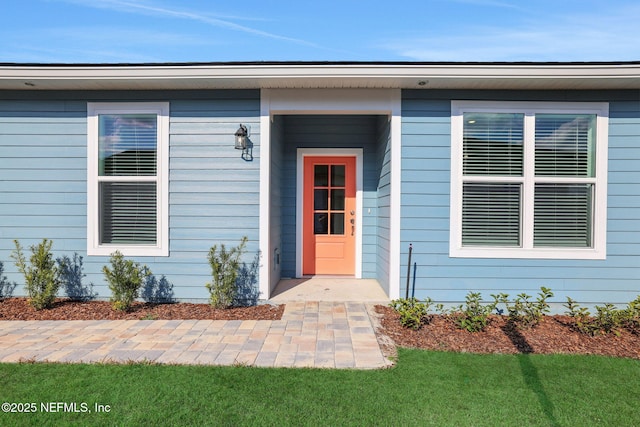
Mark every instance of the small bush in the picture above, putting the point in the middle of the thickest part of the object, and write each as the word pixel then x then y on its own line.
pixel 413 313
pixel 523 311
pixel 225 265
pixel 632 320
pixel 125 279
pixel 41 274
pixel 608 319
pixel 473 316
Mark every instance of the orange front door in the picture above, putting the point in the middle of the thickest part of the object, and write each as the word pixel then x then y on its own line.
pixel 329 215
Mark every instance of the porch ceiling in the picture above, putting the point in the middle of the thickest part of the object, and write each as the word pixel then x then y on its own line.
pixel 263 75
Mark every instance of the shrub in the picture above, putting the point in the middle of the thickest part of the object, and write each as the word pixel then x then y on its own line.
pixel 125 279
pixel 581 316
pixel 225 265
pixel 473 316
pixel 608 318
pixel 525 312
pixel 41 274
pixel 412 312
pixel 632 321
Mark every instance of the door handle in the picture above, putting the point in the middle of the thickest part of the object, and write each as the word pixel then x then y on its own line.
pixel 353 226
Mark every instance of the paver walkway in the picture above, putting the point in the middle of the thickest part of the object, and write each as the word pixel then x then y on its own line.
pixel 310 334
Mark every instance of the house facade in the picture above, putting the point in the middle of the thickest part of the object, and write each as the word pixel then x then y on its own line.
pixel 502 177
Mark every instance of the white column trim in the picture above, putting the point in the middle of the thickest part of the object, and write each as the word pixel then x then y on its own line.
pixel 395 202
pixel 264 243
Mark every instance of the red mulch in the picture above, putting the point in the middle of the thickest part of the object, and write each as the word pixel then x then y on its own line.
pixel 553 335
pixel 64 309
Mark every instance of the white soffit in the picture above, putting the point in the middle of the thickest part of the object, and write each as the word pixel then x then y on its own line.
pixel 521 76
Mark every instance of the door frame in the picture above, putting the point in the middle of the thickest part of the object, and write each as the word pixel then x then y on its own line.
pixel 332 152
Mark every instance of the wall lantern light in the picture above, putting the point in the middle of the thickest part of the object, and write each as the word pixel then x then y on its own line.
pixel 241 138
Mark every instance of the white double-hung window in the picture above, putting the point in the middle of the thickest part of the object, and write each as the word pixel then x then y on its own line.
pixel 528 179
pixel 128 157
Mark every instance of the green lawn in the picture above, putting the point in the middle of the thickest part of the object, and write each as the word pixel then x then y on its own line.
pixel 425 388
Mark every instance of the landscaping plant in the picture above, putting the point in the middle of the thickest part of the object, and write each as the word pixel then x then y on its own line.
pixel 473 316
pixel 225 265
pixel 632 321
pixel 523 311
pixel 412 312
pixel 41 274
pixel 125 279
pixel 608 318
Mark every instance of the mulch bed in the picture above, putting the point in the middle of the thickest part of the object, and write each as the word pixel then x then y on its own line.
pixel 65 309
pixel 553 335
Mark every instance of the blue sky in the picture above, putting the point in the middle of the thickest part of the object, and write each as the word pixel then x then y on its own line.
pixel 112 31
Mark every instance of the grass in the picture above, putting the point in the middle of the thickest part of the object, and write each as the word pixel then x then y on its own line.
pixel 425 388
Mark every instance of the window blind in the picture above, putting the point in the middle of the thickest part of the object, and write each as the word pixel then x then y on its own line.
pixel 492 144
pixel 491 214
pixel 128 212
pixel 564 145
pixel 562 215
pixel 127 145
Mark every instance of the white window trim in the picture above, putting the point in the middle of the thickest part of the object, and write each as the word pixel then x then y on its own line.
pixel 94 109
pixel 598 251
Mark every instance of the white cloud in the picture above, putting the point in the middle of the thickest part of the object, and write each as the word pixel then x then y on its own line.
pixel 149 8
pixel 96 44
pixel 576 37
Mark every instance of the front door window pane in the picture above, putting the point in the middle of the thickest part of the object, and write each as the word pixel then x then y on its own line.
pixel 321 199
pixel 321 175
pixel 337 200
pixel 337 176
pixel 321 223
pixel 337 223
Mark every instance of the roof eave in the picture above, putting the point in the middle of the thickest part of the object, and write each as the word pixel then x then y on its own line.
pixel 322 75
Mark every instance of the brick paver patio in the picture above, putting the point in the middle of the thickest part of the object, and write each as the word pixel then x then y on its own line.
pixel 310 334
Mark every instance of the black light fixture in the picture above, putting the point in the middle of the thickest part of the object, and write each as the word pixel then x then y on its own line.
pixel 241 138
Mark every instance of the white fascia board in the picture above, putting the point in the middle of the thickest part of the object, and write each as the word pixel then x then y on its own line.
pixel 405 75
pixel 313 70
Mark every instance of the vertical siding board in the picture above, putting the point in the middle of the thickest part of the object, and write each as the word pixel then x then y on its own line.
pixel 425 215
pixel 213 193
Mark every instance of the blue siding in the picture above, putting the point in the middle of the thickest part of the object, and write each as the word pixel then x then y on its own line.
pixel 425 209
pixel 213 193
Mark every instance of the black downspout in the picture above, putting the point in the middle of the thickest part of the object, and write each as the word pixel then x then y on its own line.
pixel 409 270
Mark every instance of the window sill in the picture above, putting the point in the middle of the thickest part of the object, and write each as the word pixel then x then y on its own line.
pixel 537 253
pixel 138 250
